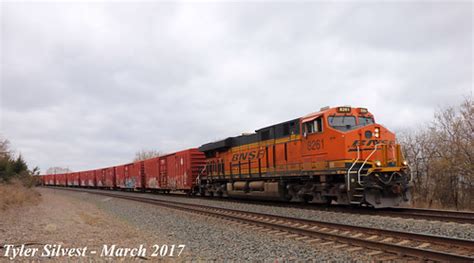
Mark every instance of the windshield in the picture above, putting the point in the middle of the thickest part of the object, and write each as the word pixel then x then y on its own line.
pixel 365 121
pixel 342 123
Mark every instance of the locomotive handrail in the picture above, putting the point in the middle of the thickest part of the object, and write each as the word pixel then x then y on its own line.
pixel 349 171
pixel 365 161
pixel 198 178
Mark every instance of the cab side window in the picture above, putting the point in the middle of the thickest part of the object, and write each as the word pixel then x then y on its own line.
pixel 314 126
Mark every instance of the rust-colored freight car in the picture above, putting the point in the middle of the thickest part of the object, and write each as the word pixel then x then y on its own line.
pixel 49 179
pixel 82 179
pixel 151 168
pixel 178 171
pixel 61 180
pixel 88 177
pixel 133 175
pixel 100 177
pixel 110 177
pixel 73 179
pixel 120 176
pixel 128 176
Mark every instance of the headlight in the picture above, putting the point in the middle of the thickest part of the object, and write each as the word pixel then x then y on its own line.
pixel 377 132
pixel 378 163
pixel 405 163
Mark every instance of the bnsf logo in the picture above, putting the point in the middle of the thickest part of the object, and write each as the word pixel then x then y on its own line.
pixel 370 143
pixel 248 155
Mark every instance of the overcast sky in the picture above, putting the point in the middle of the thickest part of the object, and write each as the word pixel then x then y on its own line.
pixel 87 85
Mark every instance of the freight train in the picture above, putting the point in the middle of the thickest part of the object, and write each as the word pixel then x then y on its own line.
pixel 336 155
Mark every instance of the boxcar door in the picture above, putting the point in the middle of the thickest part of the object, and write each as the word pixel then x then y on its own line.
pixel 163 173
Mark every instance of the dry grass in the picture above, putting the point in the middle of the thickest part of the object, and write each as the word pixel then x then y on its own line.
pixel 15 194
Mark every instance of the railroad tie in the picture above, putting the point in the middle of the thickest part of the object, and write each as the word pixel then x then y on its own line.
pixel 388 239
pixel 314 227
pixel 274 231
pixel 301 238
pixel 341 246
pixel 292 235
pixel 357 235
pixel 373 253
pixel 312 240
pixel 327 243
pixel 372 237
pixel 424 245
pixel 304 226
pixel 281 233
pixel 354 249
pixel 403 242
pixel 389 258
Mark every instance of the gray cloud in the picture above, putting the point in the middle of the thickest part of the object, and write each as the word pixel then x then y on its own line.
pixel 85 85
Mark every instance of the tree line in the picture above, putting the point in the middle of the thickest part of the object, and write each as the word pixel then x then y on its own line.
pixel 441 158
pixel 12 167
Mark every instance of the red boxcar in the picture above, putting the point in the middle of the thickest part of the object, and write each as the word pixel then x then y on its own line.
pixel 133 175
pixel 82 179
pixel 110 177
pixel 152 173
pixel 120 176
pixel 89 177
pixel 61 179
pixel 73 179
pixel 178 171
pixel 129 176
pixel 100 177
pixel 49 179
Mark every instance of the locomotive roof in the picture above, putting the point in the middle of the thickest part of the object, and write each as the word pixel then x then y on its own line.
pixel 270 132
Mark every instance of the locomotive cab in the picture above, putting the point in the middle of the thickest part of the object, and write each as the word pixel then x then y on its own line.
pixel 371 165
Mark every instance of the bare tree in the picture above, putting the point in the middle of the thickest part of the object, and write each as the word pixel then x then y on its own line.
pixel 4 148
pixel 441 158
pixel 146 154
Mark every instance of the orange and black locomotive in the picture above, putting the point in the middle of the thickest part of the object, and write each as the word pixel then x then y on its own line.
pixel 337 154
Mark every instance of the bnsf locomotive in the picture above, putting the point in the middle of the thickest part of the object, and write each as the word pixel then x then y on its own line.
pixel 337 154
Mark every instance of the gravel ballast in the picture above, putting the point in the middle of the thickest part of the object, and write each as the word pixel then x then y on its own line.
pixel 446 229
pixel 212 239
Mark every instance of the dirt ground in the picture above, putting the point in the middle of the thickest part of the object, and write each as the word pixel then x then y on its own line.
pixel 68 222
pixel 15 195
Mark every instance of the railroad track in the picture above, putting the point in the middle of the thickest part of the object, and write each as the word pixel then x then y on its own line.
pixel 414 213
pixel 462 217
pixel 380 243
pixel 432 214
